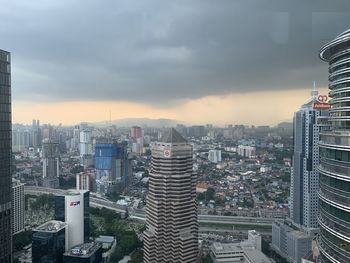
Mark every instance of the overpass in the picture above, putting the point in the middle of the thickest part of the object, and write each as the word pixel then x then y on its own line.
pixel 214 220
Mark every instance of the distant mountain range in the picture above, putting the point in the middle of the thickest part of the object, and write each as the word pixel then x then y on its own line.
pixel 128 122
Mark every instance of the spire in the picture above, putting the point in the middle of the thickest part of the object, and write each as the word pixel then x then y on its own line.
pixel 314 92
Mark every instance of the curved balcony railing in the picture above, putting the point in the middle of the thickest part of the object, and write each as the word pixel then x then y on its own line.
pixel 342 139
pixel 340 169
pixel 335 200
pixel 334 190
pixel 334 225
pixel 331 251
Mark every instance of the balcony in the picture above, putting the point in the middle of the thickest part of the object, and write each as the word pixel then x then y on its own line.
pixel 329 189
pixel 331 251
pixel 334 200
pixel 336 169
pixel 334 225
pixel 341 138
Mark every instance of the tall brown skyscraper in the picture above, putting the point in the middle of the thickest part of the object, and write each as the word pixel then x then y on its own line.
pixel 5 158
pixel 172 228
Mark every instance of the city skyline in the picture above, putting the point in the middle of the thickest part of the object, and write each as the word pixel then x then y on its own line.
pixel 178 61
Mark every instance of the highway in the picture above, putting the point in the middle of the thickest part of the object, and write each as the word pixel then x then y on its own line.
pixel 207 220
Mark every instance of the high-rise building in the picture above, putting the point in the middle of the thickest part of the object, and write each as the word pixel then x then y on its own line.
pixel 73 208
pixel 334 192
pixel 51 163
pixel 292 238
pixel 304 173
pixel 5 158
pixel 85 142
pixel 17 206
pixel 246 151
pixel 214 156
pixel 171 228
pixel 112 167
pixel 85 180
pixel 48 242
pixel 136 134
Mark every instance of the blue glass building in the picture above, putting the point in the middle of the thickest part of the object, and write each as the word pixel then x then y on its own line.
pixel 112 168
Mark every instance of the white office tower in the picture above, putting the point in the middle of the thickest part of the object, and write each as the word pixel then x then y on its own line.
pixel 17 206
pixel 214 156
pixel 171 227
pixel 73 208
pixel 304 173
pixel 50 160
pixel 85 143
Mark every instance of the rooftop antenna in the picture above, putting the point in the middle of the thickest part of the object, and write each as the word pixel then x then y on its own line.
pixel 314 92
pixel 110 119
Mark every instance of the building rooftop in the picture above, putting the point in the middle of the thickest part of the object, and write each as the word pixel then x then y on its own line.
pixel 224 251
pixel 52 226
pixel 172 136
pixel 105 239
pixel 83 250
pixel 328 49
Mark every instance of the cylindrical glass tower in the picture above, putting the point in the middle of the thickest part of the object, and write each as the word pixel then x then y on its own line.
pixel 334 192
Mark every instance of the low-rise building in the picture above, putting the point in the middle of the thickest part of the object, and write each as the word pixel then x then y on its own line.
pixel 290 242
pixel 248 251
pixel 90 252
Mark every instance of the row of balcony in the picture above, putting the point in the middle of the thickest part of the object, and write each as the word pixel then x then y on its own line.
pixel 331 251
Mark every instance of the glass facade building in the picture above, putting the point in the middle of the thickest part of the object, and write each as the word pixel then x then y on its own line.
pixel 5 157
pixel 48 242
pixel 112 167
pixel 334 191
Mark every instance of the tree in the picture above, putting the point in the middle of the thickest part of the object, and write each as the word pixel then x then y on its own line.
pixel 207 259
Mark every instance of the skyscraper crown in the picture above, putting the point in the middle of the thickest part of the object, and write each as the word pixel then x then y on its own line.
pixel 172 136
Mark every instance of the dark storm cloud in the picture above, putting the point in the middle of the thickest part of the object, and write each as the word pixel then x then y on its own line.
pixel 162 51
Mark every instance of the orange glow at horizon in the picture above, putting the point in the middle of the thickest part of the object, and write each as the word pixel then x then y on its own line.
pixel 258 108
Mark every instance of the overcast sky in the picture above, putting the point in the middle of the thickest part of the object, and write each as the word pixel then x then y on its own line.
pixel 164 54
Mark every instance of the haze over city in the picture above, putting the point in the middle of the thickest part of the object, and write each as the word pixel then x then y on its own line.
pixel 195 62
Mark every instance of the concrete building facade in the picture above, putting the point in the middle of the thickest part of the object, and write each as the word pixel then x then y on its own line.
pixel 171 226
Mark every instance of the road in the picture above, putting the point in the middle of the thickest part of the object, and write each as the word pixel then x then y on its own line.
pixel 207 220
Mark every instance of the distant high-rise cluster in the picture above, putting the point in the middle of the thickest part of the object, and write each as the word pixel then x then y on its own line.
pixel 334 192
pixel 5 158
pixel 24 137
pixel 171 228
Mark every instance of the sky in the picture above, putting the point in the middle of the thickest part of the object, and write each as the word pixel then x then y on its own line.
pixel 198 61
